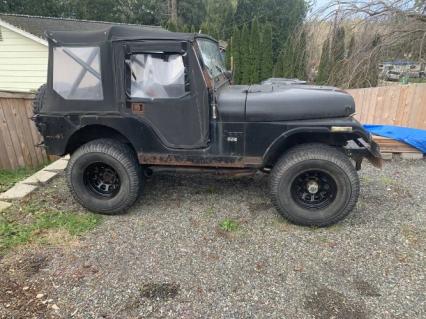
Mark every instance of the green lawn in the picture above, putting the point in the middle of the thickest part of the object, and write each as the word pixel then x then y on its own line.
pixel 34 223
pixel 8 178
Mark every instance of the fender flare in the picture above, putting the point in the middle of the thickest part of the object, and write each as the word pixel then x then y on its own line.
pixel 275 146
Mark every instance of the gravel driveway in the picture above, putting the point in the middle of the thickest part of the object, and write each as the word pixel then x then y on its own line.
pixel 168 258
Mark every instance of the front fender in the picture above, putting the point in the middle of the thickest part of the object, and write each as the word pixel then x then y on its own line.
pixel 337 132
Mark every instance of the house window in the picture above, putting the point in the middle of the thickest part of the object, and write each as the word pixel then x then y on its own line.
pixel 157 75
pixel 77 73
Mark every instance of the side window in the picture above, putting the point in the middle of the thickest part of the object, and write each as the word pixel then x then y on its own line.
pixel 77 73
pixel 157 76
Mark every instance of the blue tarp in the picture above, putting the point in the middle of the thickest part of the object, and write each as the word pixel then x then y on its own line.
pixel 414 137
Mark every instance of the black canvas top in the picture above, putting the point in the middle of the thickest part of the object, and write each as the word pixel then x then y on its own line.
pixel 69 31
pixel 38 25
pixel 118 33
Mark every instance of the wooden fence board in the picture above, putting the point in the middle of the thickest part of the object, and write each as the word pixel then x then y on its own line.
pixel 18 134
pixel 401 105
pixel 9 150
pixel 36 138
pixel 10 122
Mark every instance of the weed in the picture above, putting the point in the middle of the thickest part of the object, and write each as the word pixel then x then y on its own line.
pixel 387 180
pixel 211 190
pixel 228 225
pixel 210 212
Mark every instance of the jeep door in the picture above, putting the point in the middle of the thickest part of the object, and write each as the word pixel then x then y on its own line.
pixel 165 90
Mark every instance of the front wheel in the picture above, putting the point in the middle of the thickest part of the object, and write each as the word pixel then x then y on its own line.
pixel 314 185
pixel 104 176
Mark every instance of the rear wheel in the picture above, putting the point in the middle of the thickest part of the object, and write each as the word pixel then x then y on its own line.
pixel 104 176
pixel 314 185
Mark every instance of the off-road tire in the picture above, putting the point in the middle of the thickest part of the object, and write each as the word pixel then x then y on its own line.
pixel 39 99
pixel 312 157
pixel 118 156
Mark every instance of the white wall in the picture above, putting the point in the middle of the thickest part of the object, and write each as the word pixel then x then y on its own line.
pixel 23 62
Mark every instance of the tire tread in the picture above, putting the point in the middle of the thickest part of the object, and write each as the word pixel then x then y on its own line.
pixel 125 156
pixel 307 152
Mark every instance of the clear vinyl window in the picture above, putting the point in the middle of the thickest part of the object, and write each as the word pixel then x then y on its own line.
pixel 77 73
pixel 157 76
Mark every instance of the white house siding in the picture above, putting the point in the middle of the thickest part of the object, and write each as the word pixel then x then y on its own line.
pixel 23 62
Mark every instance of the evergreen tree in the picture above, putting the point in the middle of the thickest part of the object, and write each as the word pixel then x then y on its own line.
pixel 191 12
pixel 205 28
pixel 266 49
pixel 245 59
pixel 220 15
pixel 183 28
pixel 373 71
pixel 293 58
pixel 228 54
pixel 324 66
pixel 338 46
pixel 287 60
pixel 255 52
pixel 236 56
pixel 337 57
pixel 278 67
pixel 301 58
pixel 171 26
pixel 284 16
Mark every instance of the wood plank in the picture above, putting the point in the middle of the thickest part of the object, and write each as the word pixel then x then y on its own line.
pixel 402 104
pixel 392 146
pixel 4 158
pixel 420 118
pixel 408 105
pixel 10 150
pixel 14 133
pixel 16 95
pixel 28 139
pixel 36 138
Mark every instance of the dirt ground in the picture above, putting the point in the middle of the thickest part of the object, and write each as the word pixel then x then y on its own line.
pixel 169 258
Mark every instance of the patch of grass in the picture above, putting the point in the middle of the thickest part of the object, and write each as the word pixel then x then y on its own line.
pixel 210 212
pixel 8 178
pixel 211 190
pixel 228 225
pixel 387 180
pixel 18 232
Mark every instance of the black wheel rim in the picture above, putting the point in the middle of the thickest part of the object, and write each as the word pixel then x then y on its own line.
pixel 102 180
pixel 314 189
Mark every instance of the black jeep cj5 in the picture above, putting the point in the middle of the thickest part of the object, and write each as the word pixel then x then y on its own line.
pixel 126 100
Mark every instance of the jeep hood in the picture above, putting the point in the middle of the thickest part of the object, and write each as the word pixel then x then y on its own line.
pixel 268 103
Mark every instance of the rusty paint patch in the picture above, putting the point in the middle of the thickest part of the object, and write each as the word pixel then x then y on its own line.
pixel 201 161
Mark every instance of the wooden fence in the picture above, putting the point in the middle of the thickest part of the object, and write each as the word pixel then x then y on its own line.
pixel 18 134
pixel 402 105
